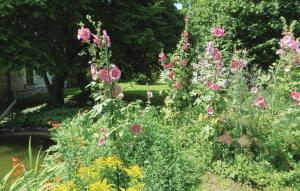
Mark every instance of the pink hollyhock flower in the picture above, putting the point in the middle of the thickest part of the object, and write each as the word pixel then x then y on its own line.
pixel 254 90
pixel 185 34
pixel 166 66
pixel 97 41
pixel 235 65
pixel 225 139
pixel 162 57
pixel 178 86
pixel 184 62
pixel 217 54
pixel 213 86
pixel 219 65
pixel 104 74
pixel 218 31
pixel 295 95
pixel 260 102
pixel 185 46
pixel 102 138
pixel 210 110
pixel 114 73
pixel 285 41
pixel 94 72
pixel 149 94
pixel 210 48
pixel 171 74
pixel 106 38
pixel 84 34
pixel 294 45
pixel 136 129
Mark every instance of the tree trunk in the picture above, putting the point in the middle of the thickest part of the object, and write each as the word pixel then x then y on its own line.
pixel 55 89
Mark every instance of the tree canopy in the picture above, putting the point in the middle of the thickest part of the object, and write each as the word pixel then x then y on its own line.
pixel 41 35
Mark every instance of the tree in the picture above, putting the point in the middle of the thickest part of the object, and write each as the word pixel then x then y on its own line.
pixel 251 24
pixel 140 30
pixel 41 35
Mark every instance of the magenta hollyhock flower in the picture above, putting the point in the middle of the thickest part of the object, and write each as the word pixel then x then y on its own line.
pixel 184 62
pixel 94 72
pixel 235 65
pixel 106 38
pixel 213 86
pixel 102 138
pixel 149 94
pixel 84 34
pixel 178 86
pixel 210 110
pixel 136 129
pixel 294 45
pixel 162 57
pixel 260 102
pixel 171 74
pixel 97 41
pixel 166 66
pixel 218 32
pixel 219 65
pixel 217 54
pixel 114 73
pixel 295 95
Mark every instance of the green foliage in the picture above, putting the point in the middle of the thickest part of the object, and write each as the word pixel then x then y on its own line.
pixel 254 25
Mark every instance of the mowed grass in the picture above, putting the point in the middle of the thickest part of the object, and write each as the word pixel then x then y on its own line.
pixel 134 92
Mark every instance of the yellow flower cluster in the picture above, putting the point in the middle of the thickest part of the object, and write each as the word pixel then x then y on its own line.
pixel 96 177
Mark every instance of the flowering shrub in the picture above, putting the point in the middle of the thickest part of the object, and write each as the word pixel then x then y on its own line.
pixel 105 174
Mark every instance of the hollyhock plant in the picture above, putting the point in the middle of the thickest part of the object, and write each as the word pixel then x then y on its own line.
pixel 114 72
pixel 217 54
pixel 97 41
pixel 184 62
pixel 260 102
pixel 106 38
pixel 94 72
pixel 136 129
pixel 104 74
pixel 218 32
pixel 210 110
pixel 219 65
pixel 83 34
pixel 235 65
pixel 254 90
pixel 171 75
pixel 295 96
pixel 162 57
pixel 210 49
pixel 178 86
pixel 213 86
pixel 166 66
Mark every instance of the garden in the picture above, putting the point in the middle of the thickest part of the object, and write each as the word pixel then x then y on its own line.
pixel 216 113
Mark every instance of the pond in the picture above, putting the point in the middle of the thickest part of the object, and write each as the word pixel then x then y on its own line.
pixel 18 147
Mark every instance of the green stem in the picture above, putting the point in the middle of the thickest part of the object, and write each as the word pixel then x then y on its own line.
pixel 108 67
